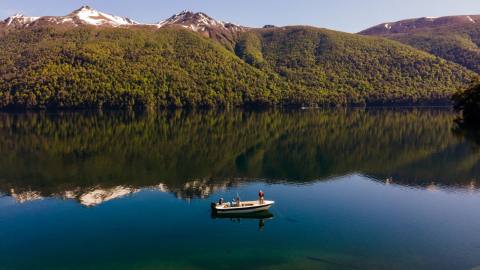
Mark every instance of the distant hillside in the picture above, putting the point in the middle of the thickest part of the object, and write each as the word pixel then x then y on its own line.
pixel 90 59
pixel 454 38
pixel 350 68
pixel 105 67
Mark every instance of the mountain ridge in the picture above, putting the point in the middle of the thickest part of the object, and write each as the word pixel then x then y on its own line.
pixel 404 26
pixel 192 60
pixel 224 32
pixel 454 38
pixel 86 15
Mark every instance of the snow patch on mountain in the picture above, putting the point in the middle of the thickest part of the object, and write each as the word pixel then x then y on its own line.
pixel 198 22
pixel 93 17
pixel 190 17
pixel 20 19
pixel 408 25
pixel 83 16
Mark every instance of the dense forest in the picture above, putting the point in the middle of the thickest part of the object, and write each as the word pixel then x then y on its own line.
pixel 124 68
pixel 459 43
pixel 350 68
pixel 87 67
pixel 468 102
pixel 461 48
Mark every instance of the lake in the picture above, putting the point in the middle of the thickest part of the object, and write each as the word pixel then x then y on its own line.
pixel 355 189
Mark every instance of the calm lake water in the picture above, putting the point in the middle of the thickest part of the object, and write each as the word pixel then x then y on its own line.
pixel 355 189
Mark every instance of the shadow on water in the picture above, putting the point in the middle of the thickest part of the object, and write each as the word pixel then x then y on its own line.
pixel 257 215
pixel 262 217
pixel 194 154
pixel 469 131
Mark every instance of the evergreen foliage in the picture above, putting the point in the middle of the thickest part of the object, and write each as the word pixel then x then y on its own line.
pixel 468 102
pixel 343 68
pixel 453 43
pixel 88 67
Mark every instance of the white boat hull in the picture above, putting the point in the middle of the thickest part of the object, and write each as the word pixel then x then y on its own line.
pixel 246 207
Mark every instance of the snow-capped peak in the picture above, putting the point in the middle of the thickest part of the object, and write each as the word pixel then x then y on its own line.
pixel 16 16
pixel 198 22
pixel 82 16
pixel 85 15
pixel 91 16
pixel 20 19
pixel 189 17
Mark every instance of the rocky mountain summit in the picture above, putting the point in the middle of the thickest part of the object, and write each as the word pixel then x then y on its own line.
pixel 82 16
pixel 198 22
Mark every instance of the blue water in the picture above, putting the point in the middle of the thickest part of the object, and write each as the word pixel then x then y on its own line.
pixel 401 196
pixel 349 222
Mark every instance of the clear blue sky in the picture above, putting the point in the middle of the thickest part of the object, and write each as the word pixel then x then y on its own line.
pixel 343 15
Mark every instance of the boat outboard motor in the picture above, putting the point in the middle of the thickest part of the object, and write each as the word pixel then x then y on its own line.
pixel 220 202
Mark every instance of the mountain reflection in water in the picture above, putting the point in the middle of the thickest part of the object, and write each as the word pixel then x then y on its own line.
pixel 96 157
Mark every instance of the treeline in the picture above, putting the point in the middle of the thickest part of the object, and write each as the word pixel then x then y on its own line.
pixel 468 103
pixel 90 67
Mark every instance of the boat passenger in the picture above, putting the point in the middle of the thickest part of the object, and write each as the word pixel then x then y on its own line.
pixel 221 201
pixel 237 200
pixel 261 197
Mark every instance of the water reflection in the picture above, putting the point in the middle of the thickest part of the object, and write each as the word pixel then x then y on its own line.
pixel 262 217
pixel 92 157
pixel 469 131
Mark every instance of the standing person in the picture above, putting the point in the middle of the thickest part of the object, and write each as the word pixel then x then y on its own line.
pixel 237 201
pixel 261 197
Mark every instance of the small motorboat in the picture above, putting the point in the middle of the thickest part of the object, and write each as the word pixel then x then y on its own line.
pixel 240 207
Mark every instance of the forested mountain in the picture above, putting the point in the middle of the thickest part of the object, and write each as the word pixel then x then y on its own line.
pixel 98 60
pixel 454 38
pixel 349 68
